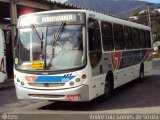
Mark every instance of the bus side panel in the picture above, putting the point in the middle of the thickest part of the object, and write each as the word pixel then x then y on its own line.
pixel 97 80
pixel 126 65
pixel 111 62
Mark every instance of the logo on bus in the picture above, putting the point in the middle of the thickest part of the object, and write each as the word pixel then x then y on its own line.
pixel 116 59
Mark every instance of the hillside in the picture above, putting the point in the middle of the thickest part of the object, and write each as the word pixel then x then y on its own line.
pixel 118 7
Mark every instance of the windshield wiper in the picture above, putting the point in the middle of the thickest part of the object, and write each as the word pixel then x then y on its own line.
pixel 38 36
pixel 59 33
pixel 56 39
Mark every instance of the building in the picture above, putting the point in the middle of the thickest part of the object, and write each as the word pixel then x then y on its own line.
pixel 12 9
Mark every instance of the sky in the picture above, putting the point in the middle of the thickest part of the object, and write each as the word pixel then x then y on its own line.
pixel 152 1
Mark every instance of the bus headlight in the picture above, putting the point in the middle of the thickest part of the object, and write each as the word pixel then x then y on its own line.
pixel 18 80
pixel 78 80
pixel 22 83
pixel 71 83
pixel 84 76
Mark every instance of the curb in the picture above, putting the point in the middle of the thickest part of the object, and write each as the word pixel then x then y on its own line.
pixel 7 83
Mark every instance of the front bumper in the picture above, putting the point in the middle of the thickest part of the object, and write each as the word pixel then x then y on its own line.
pixel 55 95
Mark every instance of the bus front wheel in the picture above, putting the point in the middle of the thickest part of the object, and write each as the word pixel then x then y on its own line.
pixel 107 88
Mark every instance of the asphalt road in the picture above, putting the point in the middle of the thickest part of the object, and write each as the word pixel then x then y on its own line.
pixel 132 98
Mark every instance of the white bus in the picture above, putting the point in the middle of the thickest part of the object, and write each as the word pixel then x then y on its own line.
pixel 3 73
pixel 106 53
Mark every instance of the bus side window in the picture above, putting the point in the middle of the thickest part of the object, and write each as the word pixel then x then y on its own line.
pixel 136 38
pixel 142 39
pixel 118 37
pixel 107 36
pixel 148 39
pixel 128 37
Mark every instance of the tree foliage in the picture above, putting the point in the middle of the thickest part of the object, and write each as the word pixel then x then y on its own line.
pixel 155 23
pixel 135 12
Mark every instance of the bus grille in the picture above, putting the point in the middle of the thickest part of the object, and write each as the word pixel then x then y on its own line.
pixel 47 84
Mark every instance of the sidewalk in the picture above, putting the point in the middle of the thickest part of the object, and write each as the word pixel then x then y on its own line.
pixel 7 83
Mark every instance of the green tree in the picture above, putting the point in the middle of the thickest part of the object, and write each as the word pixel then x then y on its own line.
pixel 155 26
pixel 135 12
pixel 155 23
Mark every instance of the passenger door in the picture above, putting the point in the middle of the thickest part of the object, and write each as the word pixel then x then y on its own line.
pixel 95 50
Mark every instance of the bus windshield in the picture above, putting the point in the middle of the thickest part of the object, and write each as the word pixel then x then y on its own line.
pixel 58 47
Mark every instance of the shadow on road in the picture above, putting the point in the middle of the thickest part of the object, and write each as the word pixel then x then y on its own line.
pixel 132 95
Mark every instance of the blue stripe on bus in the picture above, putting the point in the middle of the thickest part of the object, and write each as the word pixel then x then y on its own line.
pixel 132 58
pixel 53 79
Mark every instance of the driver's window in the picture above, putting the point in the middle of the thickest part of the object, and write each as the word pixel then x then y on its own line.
pixel 94 35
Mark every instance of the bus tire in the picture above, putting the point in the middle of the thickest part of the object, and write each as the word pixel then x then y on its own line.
pixel 108 88
pixel 141 73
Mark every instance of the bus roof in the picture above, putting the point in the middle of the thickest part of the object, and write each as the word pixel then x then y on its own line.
pixel 97 15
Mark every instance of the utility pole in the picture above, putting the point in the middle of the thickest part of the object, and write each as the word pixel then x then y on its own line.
pixel 149 15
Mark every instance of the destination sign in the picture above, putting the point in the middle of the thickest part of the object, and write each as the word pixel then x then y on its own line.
pixel 49 18
pixel 58 18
